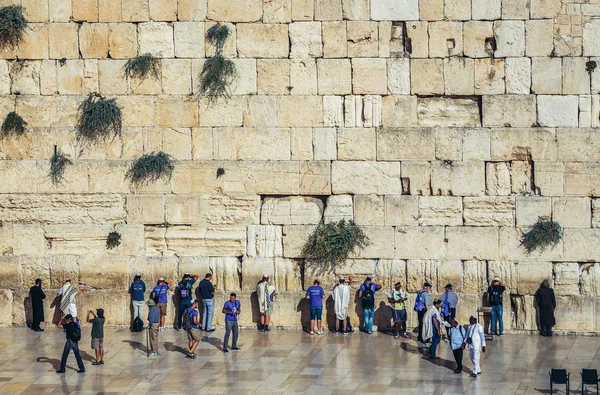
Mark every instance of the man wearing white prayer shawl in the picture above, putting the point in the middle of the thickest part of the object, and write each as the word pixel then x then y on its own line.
pixel 266 294
pixel 68 292
pixel 341 299
pixel 476 343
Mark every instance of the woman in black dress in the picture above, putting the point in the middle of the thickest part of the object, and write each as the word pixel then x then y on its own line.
pixel 546 302
pixel 37 305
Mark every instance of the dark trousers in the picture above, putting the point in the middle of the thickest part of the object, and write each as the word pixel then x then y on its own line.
pixel 458 356
pixel 35 323
pixel 230 326
pixel 420 315
pixel 546 330
pixel 71 345
pixel 183 306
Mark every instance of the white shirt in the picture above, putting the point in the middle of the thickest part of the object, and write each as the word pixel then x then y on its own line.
pixel 477 336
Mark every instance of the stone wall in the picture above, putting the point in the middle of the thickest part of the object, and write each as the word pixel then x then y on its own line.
pixel 444 128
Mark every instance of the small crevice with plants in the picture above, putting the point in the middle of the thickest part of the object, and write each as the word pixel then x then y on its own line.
pixel 98 118
pixel 13 125
pixel 12 26
pixel 543 234
pixel 333 242
pixel 218 72
pixel 58 164
pixel 150 168
pixel 113 240
pixel 143 66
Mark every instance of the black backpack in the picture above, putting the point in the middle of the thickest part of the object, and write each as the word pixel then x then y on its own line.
pixel 368 297
pixel 138 325
pixel 187 321
pixel 185 289
pixel 76 333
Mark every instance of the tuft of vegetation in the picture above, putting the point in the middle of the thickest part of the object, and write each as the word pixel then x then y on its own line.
pixel 12 26
pixel 142 66
pixel 220 172
pixel 97 118
pixel 218 72
pixel 13 125
pixel 113 240
pixel 217 35
pixel 150 168
pixel 590 66
pixel 333 242
pixel 542 234
pixel 58 162
pixel 62 61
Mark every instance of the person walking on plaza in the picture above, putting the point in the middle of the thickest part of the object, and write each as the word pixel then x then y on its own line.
pixel 73 333
pixel 137 289
pixel 422 304
pixel 232 310
pixel 366 293
pixel 68 304
pixel 191 324
pixel 266 298
pixel 476 344
pixel 449 303
pixel 185 295
pixel 97 334
pixel 546 303
pixel 316 294
pixel 495 292
pixel 37 296
pixel 207 292
pixel 397 300
pixel 153 325
pixel 160 295
pixel 341 302
pixel 432 327
pixel 458 337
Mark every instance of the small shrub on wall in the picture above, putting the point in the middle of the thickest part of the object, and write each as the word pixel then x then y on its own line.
pixel 98 118
pixel 543 234
pixel 113 240
pixel 12 26
pixel 218 72
pixel 150 168
pixel 58 163
pixel 142 66
pixel 333 242
pixel 13 125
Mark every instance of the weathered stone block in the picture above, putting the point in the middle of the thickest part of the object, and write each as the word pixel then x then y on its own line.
pixel 518 75
pixel 305 38
pixel 381 243
pixel 265 241
pixel 566 278
pixel 511 249
pixel 294 238
pixel 507 271
pixel 418 37
pixel 262 40
pixel 401 210
pixel 489 211
pixel 458 178
pixel 191 10
pixel 399 111
pixel 369 76
pixel 572 212
pixel 415 242
pixel 85 10
pixel 122 40
pixel 574 239
pixel 497 178
pixel 398 74
pixel 509 110
pixel 590 274
pixel 531 275
pixel 426 77
pixel 209 241
pixel 293 210
pixel 334 76
pixel 299 111
pixel 389 10
pixel 489 76
pixel 418 176
pixel 251 144
pixel 474 276
pixel 64 42
pixel 419 271
pixel 189 39
pixel 510 38
pixel 363 39
pixel 544 8
pixel 448 112
pixel 459 76
pixel 76 239
pixel 530 209
pixel 156 38
pixel 232 11
pixel 458 246
pixel 477 38
pixel 440 210
pixel 366 177
pixel 572 315
pixel 273 76
pixel 486 9
pixel 339 207
pixel 324 143
pixel 558 111
pixel 591 30
pixel 233 210
pixel 539 37
pixel 402 144
pixel 445 39
pixel 369 210
pixel 104 271
pixel 335 41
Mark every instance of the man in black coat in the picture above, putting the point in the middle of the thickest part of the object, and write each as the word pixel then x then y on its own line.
pixel 37 304
pixel 546 302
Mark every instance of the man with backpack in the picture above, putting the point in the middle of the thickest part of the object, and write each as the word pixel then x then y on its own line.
pixel 366 293
pixel 458 338
pixel 495 292
pixel 422 304
pixel 191 326
pixel 160 295
pixel 449 303
pixel 185 295
pixel 137 289
pixel 73 333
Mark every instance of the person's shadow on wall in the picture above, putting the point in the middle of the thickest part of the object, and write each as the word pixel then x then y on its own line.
pixel 255 309
pixel 28 309
pixel 383 316
pixel 57 312
pixel 303 308
pixel 330 313
pixel 359 311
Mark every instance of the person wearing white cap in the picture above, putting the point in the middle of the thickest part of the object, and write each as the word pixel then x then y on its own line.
pixel 137 289
pixel 476 343
pixel 266 297
pixel 341 301
pixel 160 296
pixel 494 295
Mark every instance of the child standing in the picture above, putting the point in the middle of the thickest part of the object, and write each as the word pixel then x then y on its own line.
pixel 97 334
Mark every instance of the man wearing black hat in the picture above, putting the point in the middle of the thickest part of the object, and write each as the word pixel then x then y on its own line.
pixel 73 336
pixel 422 303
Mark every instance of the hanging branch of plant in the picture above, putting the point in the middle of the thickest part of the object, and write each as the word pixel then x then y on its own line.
pixel 58 163
pixel 98 118
pixel 142 66
pixel 12 26
pixel 13 125
pixel 543 234
pixel 218 72
pixel 150 168
pixel 333 242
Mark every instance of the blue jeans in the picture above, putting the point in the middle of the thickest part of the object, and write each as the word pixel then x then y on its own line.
pixel 435 340
pixel 497 315
pixel 71 345
pixel 208 311
pixel 369 315
pixel 183 306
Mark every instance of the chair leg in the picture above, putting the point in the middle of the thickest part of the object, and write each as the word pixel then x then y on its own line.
pixel 551 389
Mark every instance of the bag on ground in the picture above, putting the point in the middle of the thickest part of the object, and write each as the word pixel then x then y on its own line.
pixel 138 325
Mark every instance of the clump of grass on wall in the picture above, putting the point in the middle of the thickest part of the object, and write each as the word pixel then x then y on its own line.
pixel 217 35
pixel 218 72
pixel 142 66
pixel 150 168
pixel 13 125
pixel 333 242
pixel 543 234
pixel 590 66
pixel 98 118
pixel 113 240
pixel 58 163
pixel 12 26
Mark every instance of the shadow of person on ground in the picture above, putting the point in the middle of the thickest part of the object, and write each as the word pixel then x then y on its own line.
pixel 86 357
pixel 54 362
pixel 137 345
pixel 213 341
pixel 169 346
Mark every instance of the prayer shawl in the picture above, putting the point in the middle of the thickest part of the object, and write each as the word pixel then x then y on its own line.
pixel 68 297
pixel 341 297
pixel 428 327
pixel 264 291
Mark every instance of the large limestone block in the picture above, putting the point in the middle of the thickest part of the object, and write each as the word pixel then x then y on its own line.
pixel 581 178
pixel 590 274
pixel 265 241
pixel 431 10
pixel 558 110
pixel 390 10
pixel 369 210
pixel 572 212
pixel 357 144
pixel 76 239
pixel 566 278
pixel 577 243
pixel 163 10
pixel 507 271
pixel 363 39
pixel 549 178
pixel 109 11
pixel 402 144
pixel 369 76
pixel 448 112
pixel 510 38
pixel 93 40
pixel 419 271
pixel 539 37
pixel 154 267
pixel 277 11
pixel 458 178
pixel 183 209
pixel 26 78
pixel 104 272
pixel 427 76
pixel 111 79
pixel 530 209
pixel 293 210
pixel 294 239
pixel 299 111
pixel 333 112
pixel 10 273
pixel 156 38
pixel 232 11
pixel 573 314
pixel 457 9
pixel 474 277
pixel 381 243
pixel 116 304
pixel 339 207
pixel 489 211
pixel 489 76
pixel 544 8
pixel 303 10
pixel 497 180
pixel 401 210
pixel 27 239
pixel 398 74
pixel 251 144
pixel 578 144
pixel 523 144
pixel 445 39
pixel 417 39
pixel 366 177
pixel 546 77
pixel 61 268
pixel 146 209
pixel 6 308
pixel 460 243
pixel 305 38
pixel 135 11
pixel 486 9
pixel 233 210
pixel 531 275
pixel 284 273
pixel 478 36
pixel 191 10
pixel 591 44
pixel 303 77
pixel 35 42
pixel 262 40
pixel 209 241
pixel 576 80
pixel 189 39
pixel 335 41
pixel 62 208
pixel 440 210
pixel 274 76
pixel 334 76
pixel 177 111
pixel 302 143
pixel 324 143
pixel 521 173
pixel 509 110
pixel 511 249
pixel 85 10
pixel 33 268
pixel 450 271
pixel 415 242
pixel 399 111
pixel 459 76
pixel 226 271
pixel 418 176
pixel 315 178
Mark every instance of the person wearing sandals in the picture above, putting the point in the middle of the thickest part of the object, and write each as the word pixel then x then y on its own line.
pixel 192 328
pixel 97 334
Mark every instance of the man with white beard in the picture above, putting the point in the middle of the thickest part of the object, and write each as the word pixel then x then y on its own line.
pixel 341 298
pixel 476 344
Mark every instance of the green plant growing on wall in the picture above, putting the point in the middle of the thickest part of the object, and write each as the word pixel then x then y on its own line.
pixel 113 240
pixel 13 125
pixel 543 234
pixel 220 172
pixel 333 242
pixel 142 66
pixel 218 72
pixel 12 26
pixel 58 163
pixel 590 66
pixel 150 168
pixel 98 117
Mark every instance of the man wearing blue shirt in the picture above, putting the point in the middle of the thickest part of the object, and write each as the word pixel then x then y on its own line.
pixel 232 310
pixel 137 289
pixel 316 294
pixel 160 296
pixel 366 293
pixel 194 332
pixel 458 338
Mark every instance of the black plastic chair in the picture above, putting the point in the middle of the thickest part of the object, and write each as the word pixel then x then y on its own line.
pixel 589 377
pixel 559 376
